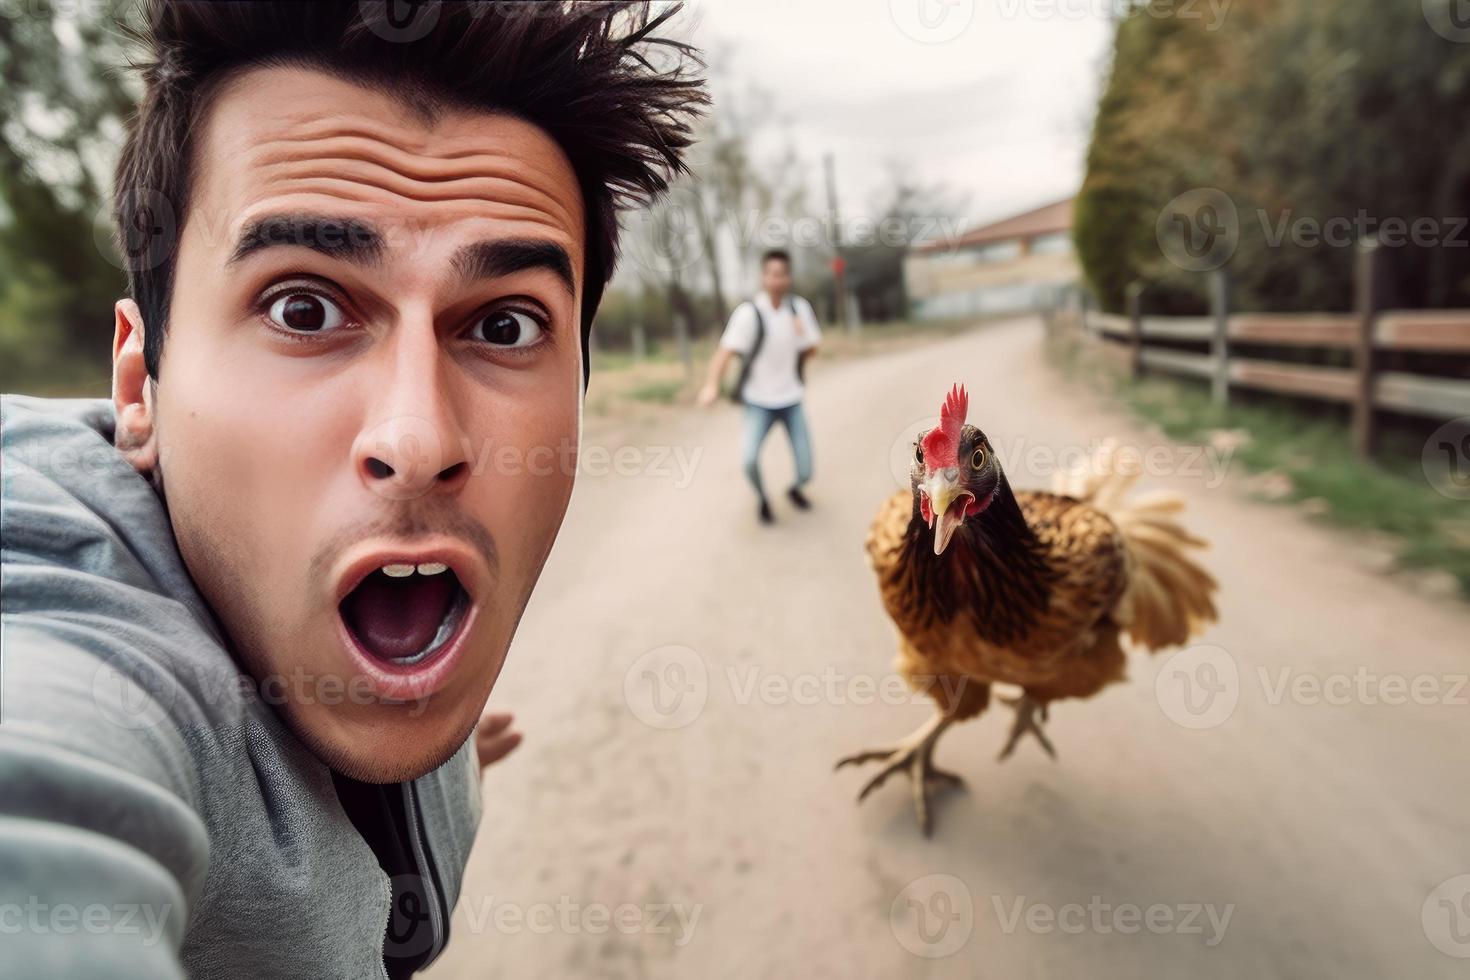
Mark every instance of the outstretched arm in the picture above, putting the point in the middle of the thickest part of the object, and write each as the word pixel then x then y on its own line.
pixel 710 390
pixel 494 739
pixel 103 852
pixel 739 337
pixel 802 360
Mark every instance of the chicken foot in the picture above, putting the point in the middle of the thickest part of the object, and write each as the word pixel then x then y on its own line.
pixel 914 754
pixel 1027 709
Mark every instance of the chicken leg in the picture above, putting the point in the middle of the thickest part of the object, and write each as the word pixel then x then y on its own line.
pixel 914 754
pixel 1027 709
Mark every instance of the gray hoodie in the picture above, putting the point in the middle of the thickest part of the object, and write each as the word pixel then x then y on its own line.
pixel 157 819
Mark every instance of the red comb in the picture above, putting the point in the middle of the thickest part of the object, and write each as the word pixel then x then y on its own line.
pixel 942 443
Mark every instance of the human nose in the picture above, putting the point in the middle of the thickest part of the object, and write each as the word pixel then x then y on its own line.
pixel 414 444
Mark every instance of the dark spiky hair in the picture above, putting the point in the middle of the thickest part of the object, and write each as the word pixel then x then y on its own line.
pixel 619 100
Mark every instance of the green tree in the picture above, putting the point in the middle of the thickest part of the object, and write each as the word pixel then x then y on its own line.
pixel 63 103
pixel 1302 112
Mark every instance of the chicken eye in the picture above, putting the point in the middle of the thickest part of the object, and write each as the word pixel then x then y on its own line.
pixel 918 452
pixel 508 328
pixel 977 459
pixel 303 312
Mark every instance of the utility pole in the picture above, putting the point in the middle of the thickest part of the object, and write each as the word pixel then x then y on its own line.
pixel 839 264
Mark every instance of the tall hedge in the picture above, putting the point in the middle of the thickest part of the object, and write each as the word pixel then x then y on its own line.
pixel 1301 112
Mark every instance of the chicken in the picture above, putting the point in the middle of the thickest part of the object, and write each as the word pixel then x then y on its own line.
pixel 1031 589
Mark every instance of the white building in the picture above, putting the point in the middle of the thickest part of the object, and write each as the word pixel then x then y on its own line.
pixel 1008 266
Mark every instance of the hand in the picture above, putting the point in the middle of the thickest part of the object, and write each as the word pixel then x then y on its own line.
pixel 708 394
pixel 493 738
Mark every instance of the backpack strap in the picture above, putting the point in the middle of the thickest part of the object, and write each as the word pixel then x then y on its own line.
pixel 737 394
pixel 796 318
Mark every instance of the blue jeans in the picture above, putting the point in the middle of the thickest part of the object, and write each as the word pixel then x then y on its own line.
pixel 758 422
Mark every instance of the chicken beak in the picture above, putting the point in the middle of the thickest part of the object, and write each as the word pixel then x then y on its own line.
pixel 943 490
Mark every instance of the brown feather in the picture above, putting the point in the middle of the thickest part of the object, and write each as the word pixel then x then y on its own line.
pixel 1038 589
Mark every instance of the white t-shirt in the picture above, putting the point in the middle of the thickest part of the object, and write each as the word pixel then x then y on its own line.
pixel 773 381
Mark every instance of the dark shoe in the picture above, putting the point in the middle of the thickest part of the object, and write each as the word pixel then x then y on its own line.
pixel 796 498
pixel 765 514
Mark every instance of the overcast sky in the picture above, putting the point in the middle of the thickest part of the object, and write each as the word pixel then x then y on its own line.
pixel 992 97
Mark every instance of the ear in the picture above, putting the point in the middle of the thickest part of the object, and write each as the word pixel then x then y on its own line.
pixel 132 392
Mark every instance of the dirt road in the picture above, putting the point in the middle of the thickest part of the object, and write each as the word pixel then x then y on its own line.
pixel 1291 801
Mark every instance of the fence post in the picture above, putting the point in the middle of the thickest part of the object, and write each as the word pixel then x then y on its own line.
pixel 1135 329
pixel 1367 299
pixel 1220 348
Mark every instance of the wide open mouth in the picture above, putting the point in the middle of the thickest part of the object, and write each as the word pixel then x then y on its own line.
pixel 403 614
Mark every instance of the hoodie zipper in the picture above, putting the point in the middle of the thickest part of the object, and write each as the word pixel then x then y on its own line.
pixel 416 834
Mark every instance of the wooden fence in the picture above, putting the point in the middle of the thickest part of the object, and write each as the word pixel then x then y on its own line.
pixel 1364 334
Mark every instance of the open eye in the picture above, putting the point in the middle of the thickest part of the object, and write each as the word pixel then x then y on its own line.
pixel 918 452
pixel 301 311
pixel 977 459
pixel 507 328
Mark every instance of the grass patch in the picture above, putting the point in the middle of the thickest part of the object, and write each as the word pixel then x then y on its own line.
pixel 1390 496
pixel 658 392
pixel 611 360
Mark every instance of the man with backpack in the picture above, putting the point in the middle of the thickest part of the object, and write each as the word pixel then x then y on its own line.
pixel 774 334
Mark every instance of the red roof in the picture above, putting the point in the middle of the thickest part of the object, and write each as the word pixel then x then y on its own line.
pixel 1041 221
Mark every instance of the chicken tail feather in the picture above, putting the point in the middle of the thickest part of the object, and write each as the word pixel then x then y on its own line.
pixel 1169 597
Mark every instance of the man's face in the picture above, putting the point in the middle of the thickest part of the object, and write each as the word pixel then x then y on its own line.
pixel 367 409
pixel 776 277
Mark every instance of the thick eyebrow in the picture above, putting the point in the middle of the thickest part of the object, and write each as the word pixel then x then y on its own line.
pixel 348 239
pixel 493 259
